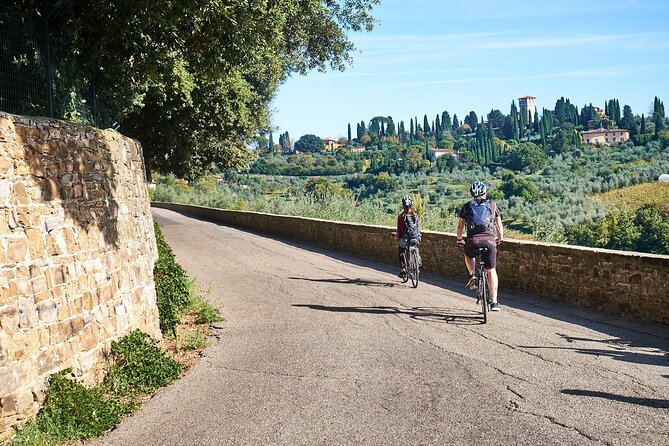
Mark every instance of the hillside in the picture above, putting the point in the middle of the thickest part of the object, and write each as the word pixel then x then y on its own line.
pixel 632 198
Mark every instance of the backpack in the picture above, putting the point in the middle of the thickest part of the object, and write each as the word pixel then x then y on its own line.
pixel 411 230
pixel 480 217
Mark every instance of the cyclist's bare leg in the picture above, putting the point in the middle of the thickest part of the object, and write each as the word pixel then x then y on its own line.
pixel 492 283
pixel 470 263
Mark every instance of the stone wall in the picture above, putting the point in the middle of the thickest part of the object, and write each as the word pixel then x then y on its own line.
pixel 616 282
pixel 77 250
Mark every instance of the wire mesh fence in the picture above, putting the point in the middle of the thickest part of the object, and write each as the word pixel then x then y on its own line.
pixel 23 64
pixel 37 76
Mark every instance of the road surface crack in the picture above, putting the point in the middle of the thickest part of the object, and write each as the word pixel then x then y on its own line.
pixel 516 408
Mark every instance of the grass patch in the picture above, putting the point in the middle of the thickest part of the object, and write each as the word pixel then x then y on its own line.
pixel 192 340
pixel 632 198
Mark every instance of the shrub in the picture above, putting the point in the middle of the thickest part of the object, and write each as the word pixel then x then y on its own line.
pixel 172 286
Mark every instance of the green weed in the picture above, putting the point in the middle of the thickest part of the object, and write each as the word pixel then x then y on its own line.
pixel 193 340
pixel 139 366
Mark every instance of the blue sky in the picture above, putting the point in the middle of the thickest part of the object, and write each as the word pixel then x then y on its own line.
pixel 427 56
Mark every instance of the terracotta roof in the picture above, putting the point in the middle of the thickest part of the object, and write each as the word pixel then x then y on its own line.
pixel 604 131
pixel 527 97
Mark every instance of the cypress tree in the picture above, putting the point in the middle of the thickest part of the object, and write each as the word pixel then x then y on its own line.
pixel 428 155
pixel 446 121
pixel 456 123
pixel 411 130
pixel 642 130
pixel 349 133
pixel 271 143
pixel 426 125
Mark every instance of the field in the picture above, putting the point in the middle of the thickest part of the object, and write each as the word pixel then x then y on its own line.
pixel 632 198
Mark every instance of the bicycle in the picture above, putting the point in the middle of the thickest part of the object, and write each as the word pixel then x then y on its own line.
pixel 482 288
pixel 412 262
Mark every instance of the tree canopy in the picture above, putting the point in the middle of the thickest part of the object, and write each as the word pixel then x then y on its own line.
pixel 192 80
pixel 309 143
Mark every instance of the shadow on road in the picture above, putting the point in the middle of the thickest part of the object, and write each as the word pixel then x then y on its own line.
pixel 433 314
pixel 348 281
pixel 616 348
pixel 648 402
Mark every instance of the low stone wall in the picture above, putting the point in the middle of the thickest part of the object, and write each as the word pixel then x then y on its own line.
pixel 77 251
pixel 616 282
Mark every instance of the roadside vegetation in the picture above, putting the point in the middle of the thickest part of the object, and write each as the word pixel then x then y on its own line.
pixel 136 366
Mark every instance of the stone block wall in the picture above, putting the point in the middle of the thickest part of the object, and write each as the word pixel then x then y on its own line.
pixel 77 251
pixel 617 282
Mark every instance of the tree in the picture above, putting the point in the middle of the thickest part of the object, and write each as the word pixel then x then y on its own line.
pixel 563 139
pixel 349 133
pixel 658 115
pixel 193 80
pixel 455 123
pixel 642 130
pixel 426 124
pixel 309 143
pixel 446 121
pixel 526 155
pixel 472 120
pixel 513 186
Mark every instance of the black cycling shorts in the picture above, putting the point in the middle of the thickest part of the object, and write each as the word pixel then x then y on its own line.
pixel 489 258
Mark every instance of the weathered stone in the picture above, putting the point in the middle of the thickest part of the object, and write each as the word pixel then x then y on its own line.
pixel 17 248
pixel 9 405
pixel 35 243
pixel 9 380
pixel 27 313
pixel 48 311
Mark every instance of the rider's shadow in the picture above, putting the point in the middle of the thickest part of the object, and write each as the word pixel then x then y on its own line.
pixel 348 281
pixel 430 314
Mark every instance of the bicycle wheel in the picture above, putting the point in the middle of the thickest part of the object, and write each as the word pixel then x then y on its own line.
pixel 405 279
pixel 413 267
pixel 482 293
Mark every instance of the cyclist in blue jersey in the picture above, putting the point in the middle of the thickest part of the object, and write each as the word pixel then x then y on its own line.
pixel 482 219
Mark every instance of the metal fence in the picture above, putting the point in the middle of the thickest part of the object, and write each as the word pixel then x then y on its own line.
pixel 37 76
pixel 24 88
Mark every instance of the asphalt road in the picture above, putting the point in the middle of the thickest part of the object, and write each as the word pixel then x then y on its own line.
pixel 321 348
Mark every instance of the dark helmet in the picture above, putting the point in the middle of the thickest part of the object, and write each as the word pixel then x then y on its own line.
pixel 407 202
pixel 477 189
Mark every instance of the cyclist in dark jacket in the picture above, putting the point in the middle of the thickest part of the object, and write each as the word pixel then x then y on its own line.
pixel 482 219
pixel 407 213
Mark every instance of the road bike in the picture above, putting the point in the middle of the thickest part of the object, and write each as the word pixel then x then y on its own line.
pixel 482 287
pixel 412 263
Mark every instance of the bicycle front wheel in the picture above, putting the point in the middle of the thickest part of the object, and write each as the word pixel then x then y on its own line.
pixel 414 267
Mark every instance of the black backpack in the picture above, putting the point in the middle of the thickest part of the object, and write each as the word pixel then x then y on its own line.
pixel 480 217
pixel 411 229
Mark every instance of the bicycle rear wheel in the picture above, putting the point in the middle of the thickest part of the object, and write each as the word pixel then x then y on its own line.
pixel 405 278
pixel 414 267
pixel 482 294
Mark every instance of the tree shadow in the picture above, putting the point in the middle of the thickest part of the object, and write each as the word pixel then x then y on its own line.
pixel 617 348
pixel 358 281
pixel 648 402
pixel 433 314
pixel 75 169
